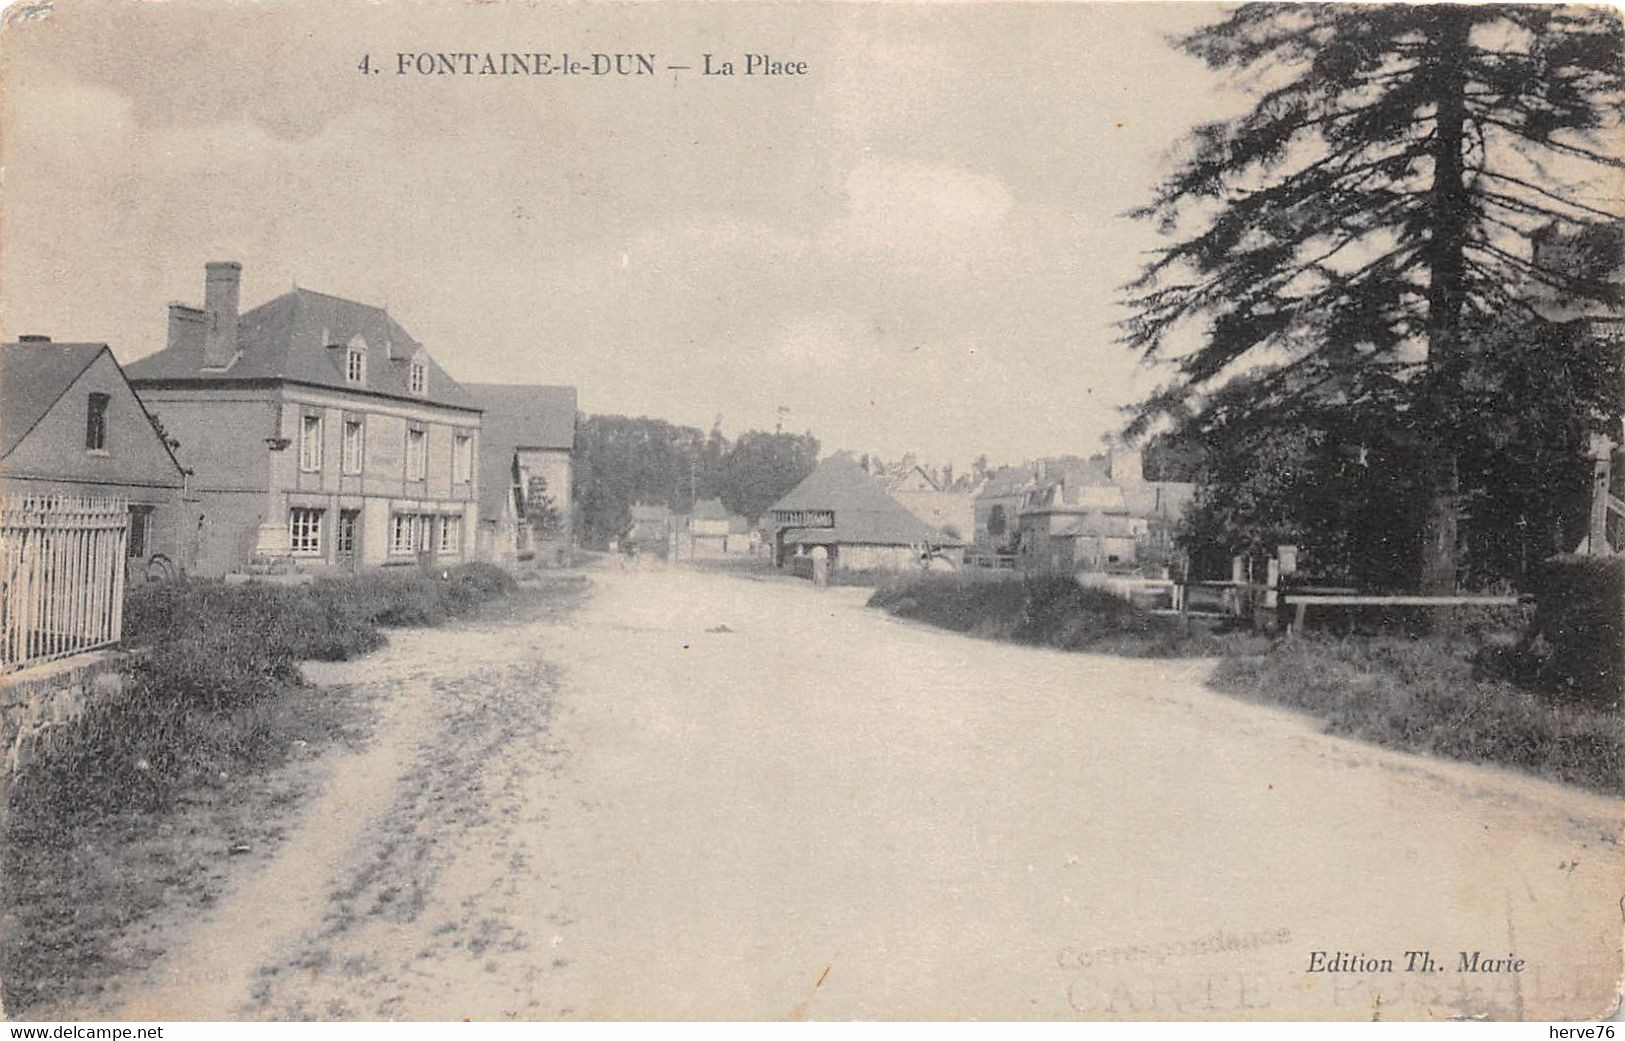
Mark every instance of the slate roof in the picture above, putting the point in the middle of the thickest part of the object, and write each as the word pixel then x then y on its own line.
pixel 711 509
pixel 1166 499
pixel 1005 482
pixel 33 377
pixel 296 337
pixel 517 416
pixel 864 513
pixel 527 415
pixel 641 512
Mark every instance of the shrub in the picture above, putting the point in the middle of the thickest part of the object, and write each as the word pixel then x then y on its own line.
pixel 1580 617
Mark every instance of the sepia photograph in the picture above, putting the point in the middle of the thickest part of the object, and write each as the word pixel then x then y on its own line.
pixel 521 511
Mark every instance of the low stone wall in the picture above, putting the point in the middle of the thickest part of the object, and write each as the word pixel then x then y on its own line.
pixel 46 698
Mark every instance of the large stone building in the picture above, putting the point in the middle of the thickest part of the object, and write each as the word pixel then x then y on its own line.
pixel 527 445
pixel 71 425
pixel 320 433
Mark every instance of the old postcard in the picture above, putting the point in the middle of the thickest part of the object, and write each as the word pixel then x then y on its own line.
pixel 863 511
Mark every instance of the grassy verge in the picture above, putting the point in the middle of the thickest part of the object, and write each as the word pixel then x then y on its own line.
pixel 1427 695
pixel 144 802
pixel 1047 611
pixel 1443 696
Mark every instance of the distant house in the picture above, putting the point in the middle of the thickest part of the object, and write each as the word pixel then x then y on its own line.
pixel 714 532
pixel 651 528
pixel 70 424
pixel 843 509
pixel 951 511
pixel 996 509
pixel 321 434
pixel 1102 516
pixel 527 441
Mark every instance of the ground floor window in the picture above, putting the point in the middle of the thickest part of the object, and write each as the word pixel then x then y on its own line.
pixel 403 533
pixel 140 542
pixel 451 531
pixel 344 537
pixel 305 531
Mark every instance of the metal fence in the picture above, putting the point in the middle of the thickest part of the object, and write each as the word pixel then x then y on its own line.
pixel 61 576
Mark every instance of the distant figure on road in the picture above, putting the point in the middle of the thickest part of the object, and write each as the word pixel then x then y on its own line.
pixel 820 559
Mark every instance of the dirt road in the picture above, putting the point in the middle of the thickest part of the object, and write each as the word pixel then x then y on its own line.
pixel 704 796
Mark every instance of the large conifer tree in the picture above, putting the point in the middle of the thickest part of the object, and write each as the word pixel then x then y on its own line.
pixel 1357 229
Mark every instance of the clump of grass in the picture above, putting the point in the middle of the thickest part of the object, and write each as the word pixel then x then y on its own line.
pixel 1046 611
pixel 1428 696
pixel 208 660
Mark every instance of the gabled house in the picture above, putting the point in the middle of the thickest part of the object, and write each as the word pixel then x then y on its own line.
pixel 846 511
pixel 951 511
pixel 70 424
pixel 1101 516
pixel 651 528
pixel 714 532
pixel 527 445
pixel 321 434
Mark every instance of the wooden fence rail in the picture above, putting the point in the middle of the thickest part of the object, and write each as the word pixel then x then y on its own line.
pixel 61 576
pixel 1243 596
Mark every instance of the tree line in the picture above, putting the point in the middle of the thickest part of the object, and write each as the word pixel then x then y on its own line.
pixel 623 460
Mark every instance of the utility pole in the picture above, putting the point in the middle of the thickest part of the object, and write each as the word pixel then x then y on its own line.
pixel 778 427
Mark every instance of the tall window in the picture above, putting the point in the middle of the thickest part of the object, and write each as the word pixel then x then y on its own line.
pixel 419 378
pixel 354 445
pixel 310 443
pixel 355 365
pixel 462 458
pixel 96 423
pixel 140 532
pixel 305 531
pixel 451 530
pixel 403 533
pixel 416 455
pixel 344 536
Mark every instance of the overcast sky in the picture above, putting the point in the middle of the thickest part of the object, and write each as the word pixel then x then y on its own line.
pixel 915 246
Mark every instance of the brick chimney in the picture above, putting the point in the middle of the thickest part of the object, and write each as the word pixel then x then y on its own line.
pixel 220 285
pixel 186 327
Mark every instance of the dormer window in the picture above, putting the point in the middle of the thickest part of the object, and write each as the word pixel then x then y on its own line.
pixel 418 381
pixel 355 365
